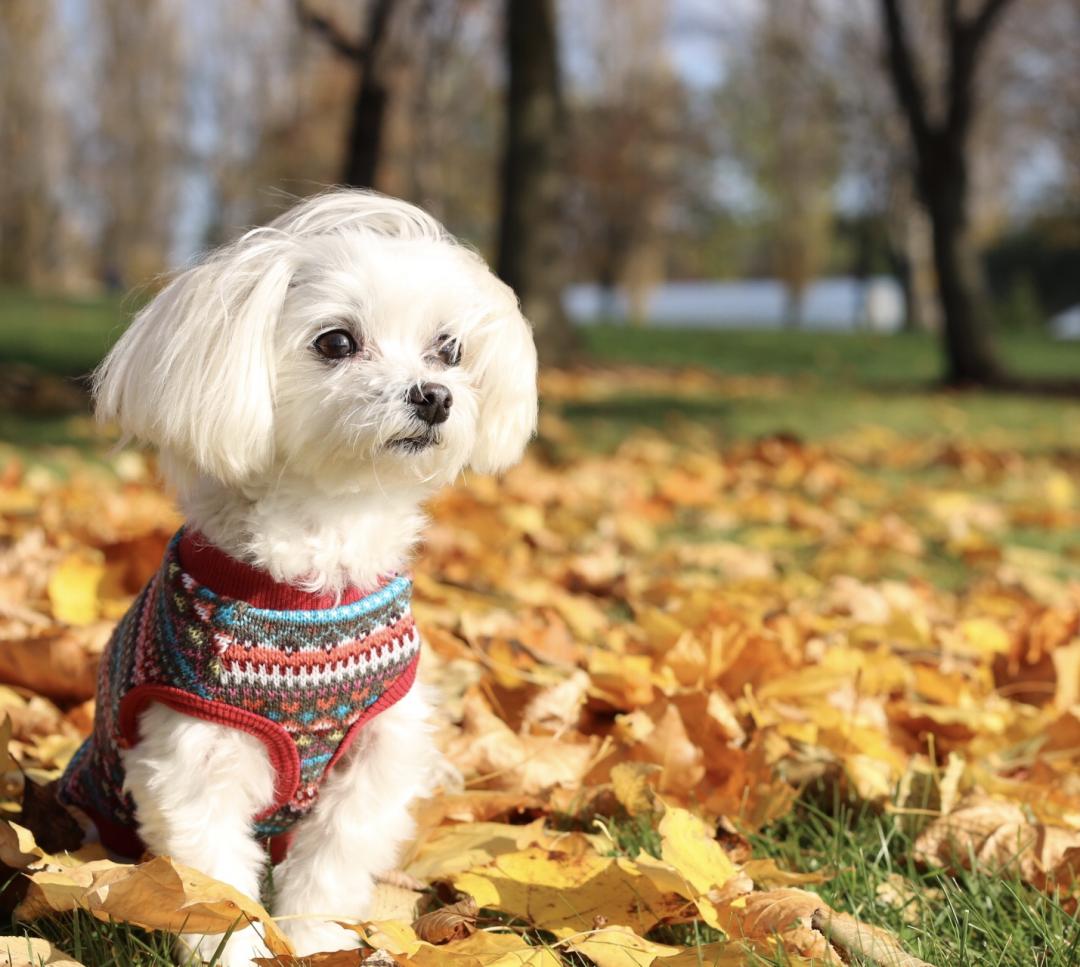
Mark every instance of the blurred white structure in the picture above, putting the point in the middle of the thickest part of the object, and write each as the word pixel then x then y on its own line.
pixel 839 304
pixel 1066 325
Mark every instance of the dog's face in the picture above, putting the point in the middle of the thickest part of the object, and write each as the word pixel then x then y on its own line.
pixel 351 343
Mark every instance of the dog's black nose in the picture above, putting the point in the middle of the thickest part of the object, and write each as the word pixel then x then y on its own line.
pixel 431 401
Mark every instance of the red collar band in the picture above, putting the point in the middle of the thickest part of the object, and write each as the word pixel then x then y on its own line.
pixel 231 578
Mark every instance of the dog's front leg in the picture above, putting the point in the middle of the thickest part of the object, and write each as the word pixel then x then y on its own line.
pixel 356 829
pixel 197 786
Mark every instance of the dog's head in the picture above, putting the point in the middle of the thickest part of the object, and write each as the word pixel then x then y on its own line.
pixel 351 341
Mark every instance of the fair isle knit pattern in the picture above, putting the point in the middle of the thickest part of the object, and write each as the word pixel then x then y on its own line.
pixel 303 681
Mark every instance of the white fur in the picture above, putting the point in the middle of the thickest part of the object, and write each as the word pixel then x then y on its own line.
pixel 286 460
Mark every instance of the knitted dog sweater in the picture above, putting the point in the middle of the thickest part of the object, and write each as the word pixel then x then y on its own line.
pixel 300 671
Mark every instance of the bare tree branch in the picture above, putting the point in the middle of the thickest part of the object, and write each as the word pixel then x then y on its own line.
pixel 330 32
pixel 982 23
pixel 909 90
pixel 965 42
pixel 950 15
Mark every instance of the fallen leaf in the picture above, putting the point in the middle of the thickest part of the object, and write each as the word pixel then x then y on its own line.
pixel 630 783
pixel 453 922
pixel 52 826
pixel 767 874
pixel 157 895
pixel 996 836
pixel 454 849
pixel 32 952
pixel 73 587
pixel 566 891
pixel 689 846
pixel 872 944
pixel 620 947
pixel 57 662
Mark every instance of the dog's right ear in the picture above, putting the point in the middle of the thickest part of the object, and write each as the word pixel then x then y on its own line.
pixel 194 373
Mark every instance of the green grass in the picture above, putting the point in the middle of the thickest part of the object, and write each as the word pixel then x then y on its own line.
pixel 816 410
pixel 836 382
pixel 854 358
pixel 63 337
pixel 98 943
pixel 988 918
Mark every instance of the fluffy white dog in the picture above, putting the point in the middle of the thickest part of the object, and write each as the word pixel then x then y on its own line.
pixel 308 386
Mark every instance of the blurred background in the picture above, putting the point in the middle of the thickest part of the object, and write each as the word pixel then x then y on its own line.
pixel 873 191
pixel 804 503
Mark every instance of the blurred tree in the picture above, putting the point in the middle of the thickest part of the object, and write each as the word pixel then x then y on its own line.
pixel 941 148
pixel 634 154
pixel 371 99
pixel 784 131
pixel 143 136
pixel 531 247
pixel 444 137
pixel 246 73
pixel 26 205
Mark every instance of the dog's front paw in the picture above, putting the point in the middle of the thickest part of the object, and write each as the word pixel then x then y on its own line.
pixel 240 950
pixel 318 936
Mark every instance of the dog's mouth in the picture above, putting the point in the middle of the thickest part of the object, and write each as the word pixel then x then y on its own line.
pixel 415 444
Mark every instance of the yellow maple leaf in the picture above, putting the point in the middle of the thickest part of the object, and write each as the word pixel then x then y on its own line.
pixel 566 891
pixel 73 587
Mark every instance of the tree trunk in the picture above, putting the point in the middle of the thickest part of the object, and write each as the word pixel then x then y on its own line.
pixel 941 149
pixel 364 142
pixel 969 351
pixel 531 249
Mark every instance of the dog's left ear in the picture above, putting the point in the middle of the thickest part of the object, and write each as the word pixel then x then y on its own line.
pixel 506 361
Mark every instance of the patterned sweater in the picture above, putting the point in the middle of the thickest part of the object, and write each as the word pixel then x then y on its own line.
pixel 302 672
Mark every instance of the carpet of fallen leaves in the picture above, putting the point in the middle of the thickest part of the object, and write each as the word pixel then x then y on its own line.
pixel 674 632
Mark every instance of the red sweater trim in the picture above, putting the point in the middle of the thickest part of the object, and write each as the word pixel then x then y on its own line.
pixel 225 575
pixel 279 744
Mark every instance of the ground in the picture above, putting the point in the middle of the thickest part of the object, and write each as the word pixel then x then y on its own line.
pixel 752 597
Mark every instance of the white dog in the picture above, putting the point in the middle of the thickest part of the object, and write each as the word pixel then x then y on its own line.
pixel 308 386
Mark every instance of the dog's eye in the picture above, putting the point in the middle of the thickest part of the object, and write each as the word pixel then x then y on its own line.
pixel 335 344
pixel 448 349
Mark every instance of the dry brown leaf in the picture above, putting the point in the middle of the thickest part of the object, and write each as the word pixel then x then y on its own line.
pixel 58 662
pixel 669 746
pixel 998 835
pixel 454 849
pixel 767 874
pixel 786 914
pixel 557 708
pixel 339 958
pixel 873 944
pixel 480 949
pixel 7 763
pixel 453 922
pixel 484 949
pixel 620 947
pixel 630 783
pixel 739 953
pixel 158 895
pixel 393 901
pixel 52 826
pixel 33 952
pixel 489 752
pixel 566 891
